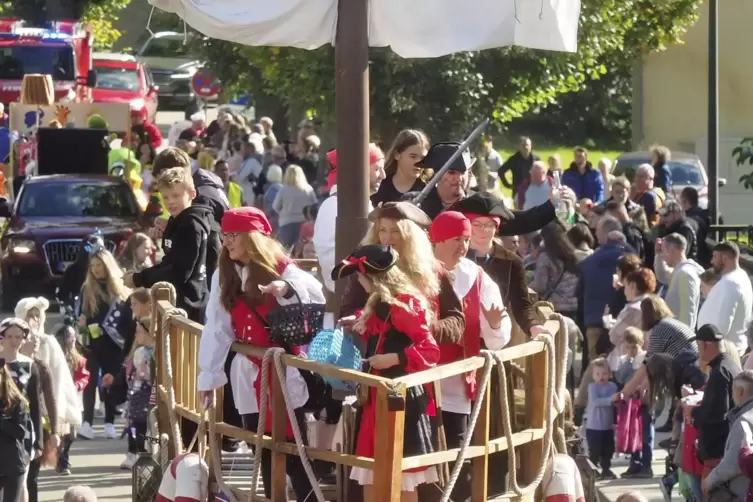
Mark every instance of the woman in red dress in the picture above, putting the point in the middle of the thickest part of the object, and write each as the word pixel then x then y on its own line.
pixel 395 324
pixel 254 276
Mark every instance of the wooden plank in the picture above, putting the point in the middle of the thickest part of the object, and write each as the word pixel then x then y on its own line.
pixel 532 453
pixel 289 448
pixel 494 446
pixel 388 448
pixel 279 421
pixel 470 364
pixel 480 464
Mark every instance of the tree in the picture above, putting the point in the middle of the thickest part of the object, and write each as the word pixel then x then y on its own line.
pixel 744 154
pixel 447 95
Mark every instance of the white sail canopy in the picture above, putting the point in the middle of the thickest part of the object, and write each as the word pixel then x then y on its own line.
pixel 412 28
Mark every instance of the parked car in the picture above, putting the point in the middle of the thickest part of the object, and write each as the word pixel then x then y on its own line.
pixel 46 223
pixel 687 170
pixel 167 54
pixel 122 79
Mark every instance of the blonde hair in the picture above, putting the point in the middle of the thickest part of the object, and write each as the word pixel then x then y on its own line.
pixel 92 294
pixel 175 176
pixel 416 257
pixel 294 177
pixel 633 336
pixel 729 348
pixel 10 395
pixel 387 286
pixel 205 160
pixel 599 363
pixel 621 181
pixel 265 255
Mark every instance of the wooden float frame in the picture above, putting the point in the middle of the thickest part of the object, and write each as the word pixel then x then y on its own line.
pixel 388 462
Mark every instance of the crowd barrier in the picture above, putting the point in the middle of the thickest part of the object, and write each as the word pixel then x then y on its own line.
pixel 536 399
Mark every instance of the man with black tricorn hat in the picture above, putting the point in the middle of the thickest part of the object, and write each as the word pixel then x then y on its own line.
pixel 452 188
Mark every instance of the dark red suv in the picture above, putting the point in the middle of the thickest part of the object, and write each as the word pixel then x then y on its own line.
pixel 44 227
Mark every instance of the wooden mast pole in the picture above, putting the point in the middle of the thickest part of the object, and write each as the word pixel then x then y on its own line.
pixel 352 112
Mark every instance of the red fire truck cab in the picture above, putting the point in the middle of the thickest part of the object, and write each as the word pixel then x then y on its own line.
pixel 62 49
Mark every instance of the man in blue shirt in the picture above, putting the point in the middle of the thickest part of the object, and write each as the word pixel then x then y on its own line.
pixel 583 179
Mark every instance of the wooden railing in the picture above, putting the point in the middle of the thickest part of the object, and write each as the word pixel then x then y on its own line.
pixel 388 462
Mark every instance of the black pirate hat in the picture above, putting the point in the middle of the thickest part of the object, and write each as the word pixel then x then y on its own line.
pixel 440 153
pixel 483 204
pixel 369 260
pixel 402 210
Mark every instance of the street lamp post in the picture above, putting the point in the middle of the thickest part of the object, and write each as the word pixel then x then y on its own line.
pixel 713 112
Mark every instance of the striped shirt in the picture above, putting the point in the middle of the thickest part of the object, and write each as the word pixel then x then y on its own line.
pixel 670 336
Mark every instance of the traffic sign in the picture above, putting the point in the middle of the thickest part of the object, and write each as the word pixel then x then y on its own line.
pixel 205 84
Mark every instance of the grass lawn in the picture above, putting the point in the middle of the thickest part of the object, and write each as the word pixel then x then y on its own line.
pixel 565 153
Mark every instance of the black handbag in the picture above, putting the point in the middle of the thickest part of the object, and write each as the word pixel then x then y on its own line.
pixel 319 391
pixel 295 324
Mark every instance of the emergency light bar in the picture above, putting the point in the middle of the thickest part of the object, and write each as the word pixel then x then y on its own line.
pixel 59 30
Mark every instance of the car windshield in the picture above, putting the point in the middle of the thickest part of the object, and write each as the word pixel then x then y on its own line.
pixel 684 172
pixel 84 199
pixel 166 47
pixel 19 60
pixel 117 79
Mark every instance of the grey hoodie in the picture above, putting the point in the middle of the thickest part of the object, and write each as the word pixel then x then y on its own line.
pixel 683 282
pixel 727 472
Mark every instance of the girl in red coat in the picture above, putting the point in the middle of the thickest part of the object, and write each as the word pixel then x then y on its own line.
pixel 395 324
pixel 66 337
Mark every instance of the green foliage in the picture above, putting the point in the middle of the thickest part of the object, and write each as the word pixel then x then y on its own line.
pixel 101 16
pixel 447 95
pixel 744 154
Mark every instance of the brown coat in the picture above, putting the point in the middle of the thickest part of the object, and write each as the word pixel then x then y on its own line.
pixel 506 269
pixel 448 326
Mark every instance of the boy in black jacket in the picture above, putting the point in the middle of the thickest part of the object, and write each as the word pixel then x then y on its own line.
pixel 184 242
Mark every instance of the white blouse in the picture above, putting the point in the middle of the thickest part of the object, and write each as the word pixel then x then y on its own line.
pixel 218 335
pixel 454 395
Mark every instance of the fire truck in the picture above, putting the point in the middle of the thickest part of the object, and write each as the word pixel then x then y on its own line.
pixel 62 49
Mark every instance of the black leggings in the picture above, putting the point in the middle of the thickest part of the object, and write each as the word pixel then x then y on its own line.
pixel 298 478
pixel 12 487
pixel 32 479
pixel 90 392
pixel 136 438
pixel 455 426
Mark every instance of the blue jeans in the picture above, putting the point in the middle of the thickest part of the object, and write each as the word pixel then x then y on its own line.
pixel 694 482
pixel 642 460
pixel 288 234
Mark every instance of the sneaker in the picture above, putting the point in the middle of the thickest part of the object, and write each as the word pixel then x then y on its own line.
pixel 63 468
pixel 666 484
pixel 86 431
pixel 630 472
pixel 127 464
pixel 110 432
pixel 644 474
pixel 607 475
